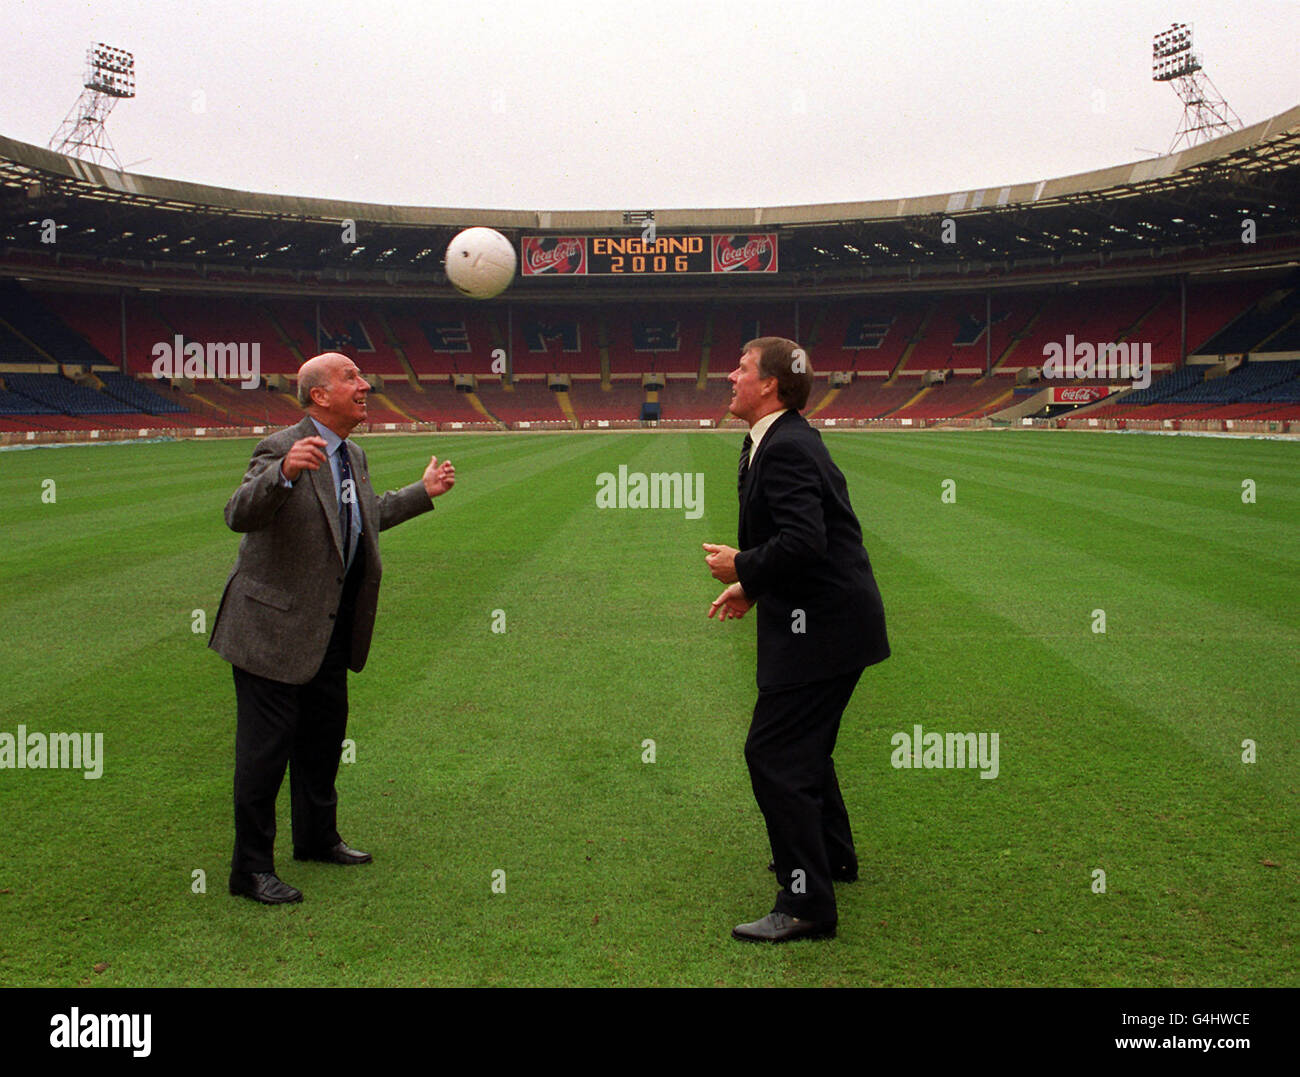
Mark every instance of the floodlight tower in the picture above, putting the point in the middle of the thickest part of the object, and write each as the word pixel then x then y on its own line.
pixel 1205 113
pixel 110 76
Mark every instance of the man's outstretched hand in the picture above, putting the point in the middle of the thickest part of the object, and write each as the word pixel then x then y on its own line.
pixel 439 478
pixel 732 604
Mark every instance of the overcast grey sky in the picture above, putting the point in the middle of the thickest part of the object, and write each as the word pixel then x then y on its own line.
pixel 571 105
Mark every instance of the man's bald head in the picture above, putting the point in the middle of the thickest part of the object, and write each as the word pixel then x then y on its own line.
pixel 315 373
pixel 333 391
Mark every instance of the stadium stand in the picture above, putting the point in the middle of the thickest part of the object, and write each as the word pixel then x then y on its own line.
pixel 138 395
pixel 928 332
pixel 522 401
pixel 558 339
pixel 65 396
pixel 620 402
pixel 956 399
pixel 681 399
pixel 44 334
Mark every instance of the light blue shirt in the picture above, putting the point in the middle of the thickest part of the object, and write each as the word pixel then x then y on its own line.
pixel 332 444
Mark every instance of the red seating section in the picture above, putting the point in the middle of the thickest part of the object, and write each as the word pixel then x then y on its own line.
pixel 892 340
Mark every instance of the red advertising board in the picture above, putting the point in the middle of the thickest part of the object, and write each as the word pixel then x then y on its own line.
pixel 1079 394
pixel 553 255
pixel 753 253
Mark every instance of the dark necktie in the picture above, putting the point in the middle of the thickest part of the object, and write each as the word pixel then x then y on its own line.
pixel 744 461
pixel 347 496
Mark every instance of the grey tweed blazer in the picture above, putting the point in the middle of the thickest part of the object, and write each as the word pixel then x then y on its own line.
pixel 277 611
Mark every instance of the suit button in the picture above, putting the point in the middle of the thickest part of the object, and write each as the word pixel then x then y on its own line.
pixel 331 616
pixel 339 579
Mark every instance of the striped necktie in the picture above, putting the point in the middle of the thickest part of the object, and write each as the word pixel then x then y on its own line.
pixel 744 462
pixel 347 498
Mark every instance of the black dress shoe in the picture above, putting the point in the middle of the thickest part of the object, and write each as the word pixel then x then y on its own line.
pixel 845 873
pixel 781 927
pixel 341 853
pixel 264 886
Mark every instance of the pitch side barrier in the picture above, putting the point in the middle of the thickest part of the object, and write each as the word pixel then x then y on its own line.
pixel 1242 427
pixel 1190 426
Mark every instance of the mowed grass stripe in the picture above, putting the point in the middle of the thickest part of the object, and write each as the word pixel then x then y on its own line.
pixel 1071 752
pixel 584 614
pixel 91 588
pixel 1050 584
pixel 519 760
pixel 1211 503
pixel 469 755
pixel 1198 461
pixel 1073 537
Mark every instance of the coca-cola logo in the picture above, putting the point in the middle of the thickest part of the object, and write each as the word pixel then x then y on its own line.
pixel 1080 396
pixel 553 255
pixel 743 252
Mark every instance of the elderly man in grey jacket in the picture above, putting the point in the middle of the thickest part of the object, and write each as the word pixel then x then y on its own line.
pixel 298 612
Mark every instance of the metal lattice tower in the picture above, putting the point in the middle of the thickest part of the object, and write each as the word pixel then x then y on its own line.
pixel 1205 113
pixel 110 76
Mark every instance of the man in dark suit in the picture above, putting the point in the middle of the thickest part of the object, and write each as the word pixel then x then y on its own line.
pixel 298 611
pixel 820 623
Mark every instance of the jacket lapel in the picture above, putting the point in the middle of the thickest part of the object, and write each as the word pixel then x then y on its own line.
pixel 322 480
pixel 758 456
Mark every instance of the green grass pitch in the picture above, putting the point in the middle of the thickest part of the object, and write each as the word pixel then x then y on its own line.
pixel 521 752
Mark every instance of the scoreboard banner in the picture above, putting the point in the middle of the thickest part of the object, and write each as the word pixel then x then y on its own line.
pixel 635 256
pixel 1079 394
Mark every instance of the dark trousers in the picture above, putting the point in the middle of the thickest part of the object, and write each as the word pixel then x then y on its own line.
pixel 789 747
pixel 300 726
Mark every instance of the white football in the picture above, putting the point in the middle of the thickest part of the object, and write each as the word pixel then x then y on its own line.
pixel 480 263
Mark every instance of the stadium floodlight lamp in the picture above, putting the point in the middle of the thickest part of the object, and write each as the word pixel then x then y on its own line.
pixel 110 71
pixel 1205 113
pixel 636 218
pixel 109 78
pixel 1171 54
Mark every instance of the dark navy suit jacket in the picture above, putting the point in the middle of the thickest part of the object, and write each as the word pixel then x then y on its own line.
pixel 802 559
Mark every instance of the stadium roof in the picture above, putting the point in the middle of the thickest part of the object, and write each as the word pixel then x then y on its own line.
pixel 1166 215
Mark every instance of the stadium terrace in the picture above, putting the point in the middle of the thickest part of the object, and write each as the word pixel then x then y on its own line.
pixel 936 310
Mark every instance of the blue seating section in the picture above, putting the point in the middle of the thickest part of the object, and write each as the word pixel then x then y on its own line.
pixel 30 317
pixel 1268 322
pixel 1256 382
pixel 1286 393
pixel 60 395
pixel 1177 381
pixel 139 396
pixel 17 404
